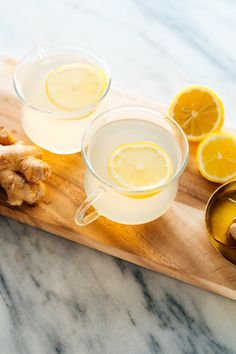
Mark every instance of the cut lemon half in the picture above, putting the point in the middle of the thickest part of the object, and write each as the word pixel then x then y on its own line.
pixel 216 157
pixel 140 165
pixel 71 87
pixel 198 110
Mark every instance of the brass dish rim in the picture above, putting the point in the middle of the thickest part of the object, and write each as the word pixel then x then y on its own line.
pixel 211 238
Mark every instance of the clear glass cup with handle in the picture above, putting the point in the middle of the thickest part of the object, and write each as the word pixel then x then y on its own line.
pixel 124 205
pixel 57 128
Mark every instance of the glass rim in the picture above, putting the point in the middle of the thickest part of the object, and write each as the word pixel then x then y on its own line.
pixel 142 190
pixel 63 114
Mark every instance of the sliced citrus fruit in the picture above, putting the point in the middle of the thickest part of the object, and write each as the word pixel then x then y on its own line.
pixel 198 110
pixel 71 87
pixel 216 157
pixel 140 165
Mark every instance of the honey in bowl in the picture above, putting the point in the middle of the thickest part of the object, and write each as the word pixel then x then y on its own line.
pixel 221 220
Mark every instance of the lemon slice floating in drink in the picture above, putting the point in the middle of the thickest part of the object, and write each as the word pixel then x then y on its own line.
pixel 198 110
pixel 73 86
pixel 140 165
pixel 216 157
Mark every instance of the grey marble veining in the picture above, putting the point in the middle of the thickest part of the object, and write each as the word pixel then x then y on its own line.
pixel 59 297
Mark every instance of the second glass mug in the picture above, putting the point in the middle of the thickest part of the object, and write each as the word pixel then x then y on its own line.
pixel 123 205
pixel 53 129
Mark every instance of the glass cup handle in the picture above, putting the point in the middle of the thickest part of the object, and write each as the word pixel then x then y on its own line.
pixel 80 218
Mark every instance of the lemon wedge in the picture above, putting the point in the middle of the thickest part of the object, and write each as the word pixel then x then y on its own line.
pixel 140 165
pixel 198 110
pixel 216 157
pixel 71 87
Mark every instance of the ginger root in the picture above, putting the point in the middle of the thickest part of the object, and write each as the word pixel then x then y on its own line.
pixel 21 170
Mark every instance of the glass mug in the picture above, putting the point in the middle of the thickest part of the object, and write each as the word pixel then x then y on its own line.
pixel 128 205
pixel 54 129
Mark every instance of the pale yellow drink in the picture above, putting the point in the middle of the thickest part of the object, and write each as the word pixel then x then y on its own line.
pixel 48 123
pixel 118 206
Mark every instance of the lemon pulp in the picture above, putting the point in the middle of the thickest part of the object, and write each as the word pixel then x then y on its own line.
pixel 216 157
pixel 198 110
pixel 71 87
pixel 140 165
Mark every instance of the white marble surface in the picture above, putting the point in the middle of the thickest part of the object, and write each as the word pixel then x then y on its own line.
pixel 59 297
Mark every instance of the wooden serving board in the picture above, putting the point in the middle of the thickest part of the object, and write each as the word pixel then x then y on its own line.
pixel 176 244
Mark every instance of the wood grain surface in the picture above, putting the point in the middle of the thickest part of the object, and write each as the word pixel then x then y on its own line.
pixel 176 244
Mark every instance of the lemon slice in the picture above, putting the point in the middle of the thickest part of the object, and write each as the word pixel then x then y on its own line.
pixel 140 165
pixel 71 87
pixel 198 110
pixel 216 157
